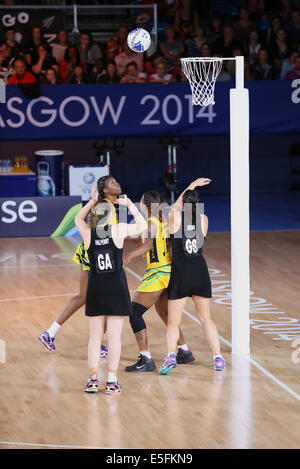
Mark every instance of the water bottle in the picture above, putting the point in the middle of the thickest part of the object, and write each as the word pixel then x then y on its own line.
pixel 9 166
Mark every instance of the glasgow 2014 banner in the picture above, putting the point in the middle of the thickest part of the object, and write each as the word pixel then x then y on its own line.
pixel 138 110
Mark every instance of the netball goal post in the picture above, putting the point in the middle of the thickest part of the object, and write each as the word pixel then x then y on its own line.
pixel 202 73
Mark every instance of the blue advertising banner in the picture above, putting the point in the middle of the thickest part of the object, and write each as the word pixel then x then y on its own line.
pixel 38 216
pixel 137 110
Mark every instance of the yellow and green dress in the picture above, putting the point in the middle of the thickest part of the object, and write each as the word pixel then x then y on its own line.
pixel 80 255
pixel 158 272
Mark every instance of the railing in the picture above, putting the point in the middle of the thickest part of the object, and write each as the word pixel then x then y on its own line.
pixel 77 8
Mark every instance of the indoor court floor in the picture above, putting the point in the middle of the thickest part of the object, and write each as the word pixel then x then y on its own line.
pixel 255 403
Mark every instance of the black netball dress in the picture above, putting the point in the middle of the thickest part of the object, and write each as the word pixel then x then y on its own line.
pixel 189 274
pixel 107 291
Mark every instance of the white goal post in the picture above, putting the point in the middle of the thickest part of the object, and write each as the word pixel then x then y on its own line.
pixel 202 74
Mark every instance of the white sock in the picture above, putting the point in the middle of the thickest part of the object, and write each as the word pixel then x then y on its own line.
pixel 183 347
pixel 172 353
pixel 111 377
pixel 53 329
pixel 218 356
pixel 146 353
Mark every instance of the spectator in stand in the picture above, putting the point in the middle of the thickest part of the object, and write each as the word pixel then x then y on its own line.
pixel 256 9
pixel 194 44
pixel 186 31
pixel 295 72
pixel 78 76
pixel 285 10
pixel 227 43
pixel 272 30
pixel 150 64
pixel 243 27
pixel 98 71
pixel 15 48
pixel 215 32
pixel 67 66
pixel 51 77
pixel 116 44
pixel 127 56
pixel 171 48
pixel 6 59
pixel 253 47
pixel 111 77
pixel 182 12
pixel 205 50
pixel 161 75
pixel 293 28
pixel 288 64
pixel 59 47
pixel 43 61
pixel 31 46
pixel 262 69
pixel 279 49
pixel 132 75
pixel 89 51
pixel 21 76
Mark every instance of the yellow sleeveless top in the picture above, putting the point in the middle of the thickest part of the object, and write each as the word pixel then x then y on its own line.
pixel 159 255
pixel 114 220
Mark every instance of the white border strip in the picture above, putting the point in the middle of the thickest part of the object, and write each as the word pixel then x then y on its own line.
pixel 253 362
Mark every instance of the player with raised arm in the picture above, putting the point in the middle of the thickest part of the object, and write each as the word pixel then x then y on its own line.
pixel 107 296
pixel 189 277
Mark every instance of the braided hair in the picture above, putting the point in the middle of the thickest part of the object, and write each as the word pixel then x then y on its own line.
pixel 96 214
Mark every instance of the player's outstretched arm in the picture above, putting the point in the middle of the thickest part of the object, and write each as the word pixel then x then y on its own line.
pixel 80 223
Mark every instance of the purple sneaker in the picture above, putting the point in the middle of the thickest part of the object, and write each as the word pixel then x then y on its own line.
pixel 47 341
pixel 169 363
pixel 103 352
pixel 219 363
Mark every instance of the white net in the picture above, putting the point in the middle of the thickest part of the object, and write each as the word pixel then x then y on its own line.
pixel 202 73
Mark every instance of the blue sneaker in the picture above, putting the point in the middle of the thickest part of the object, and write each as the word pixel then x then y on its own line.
pixel 219 363
pixel 169 363
pixel 103 352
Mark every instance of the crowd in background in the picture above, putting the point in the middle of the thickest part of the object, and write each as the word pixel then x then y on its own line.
pixel 266 33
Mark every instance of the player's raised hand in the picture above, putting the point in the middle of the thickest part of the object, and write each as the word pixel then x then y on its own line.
pixel 199 182
pixel 124 200
pixel 94 194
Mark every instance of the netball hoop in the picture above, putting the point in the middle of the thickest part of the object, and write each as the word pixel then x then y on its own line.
pixel 202 73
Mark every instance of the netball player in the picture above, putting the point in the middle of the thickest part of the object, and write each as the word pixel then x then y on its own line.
pixel 153 288
pixel 107 294
pixel 108 189
pixel 189 276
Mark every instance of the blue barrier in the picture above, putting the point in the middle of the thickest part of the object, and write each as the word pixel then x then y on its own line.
pixel 139 110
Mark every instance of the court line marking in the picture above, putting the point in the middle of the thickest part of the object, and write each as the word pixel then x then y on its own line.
pixel 42 296
pixel 53 446
pixel 253 362
pixel 32 266
pixel 36 297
